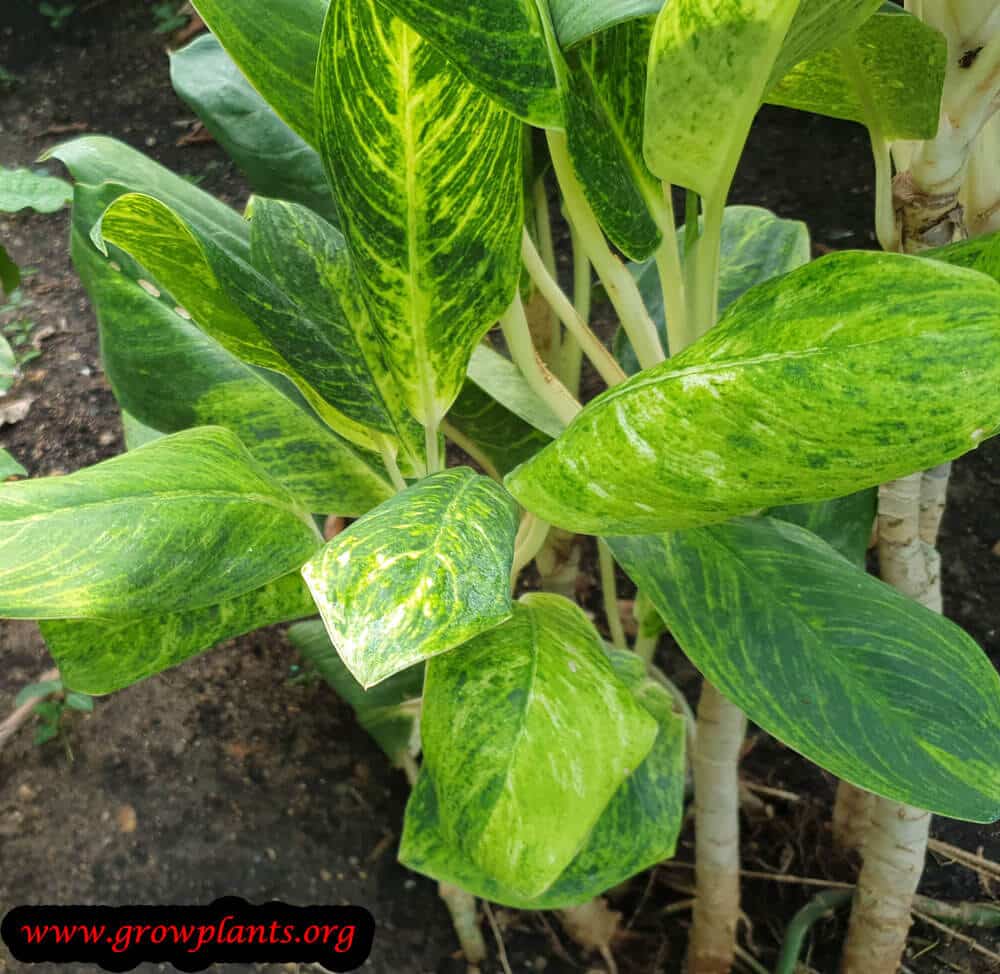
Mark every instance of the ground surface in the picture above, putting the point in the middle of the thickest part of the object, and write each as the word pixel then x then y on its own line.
pixel 224 777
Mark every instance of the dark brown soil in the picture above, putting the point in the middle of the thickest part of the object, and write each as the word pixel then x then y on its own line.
pixel 225 777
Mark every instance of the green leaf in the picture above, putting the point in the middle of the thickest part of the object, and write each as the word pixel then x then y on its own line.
pixel 528 734
pixel 501 379
pixel 8 365
pixel 276 160
pixel 882 692
pixel 755 246
pixel 10 275
pixel 504 47
pixel 388 712
pixel 182 523
pixel 139 434
pixel 171 376
pixel 23 189
pixel 637 829
pixel 888 75
pixel 230 301
pixel 710 67
pixel 9 467
pixel 604 135
pixel 576 20
pixel 845 523
pixel 80 701
pixel 100 656
pixel 274 43
pixel 427 175
pixel 812 386
pixel 441 553
pixel 499 436
pixel 95 159
pixel 322 326
pixel 35 691
pixel 979 254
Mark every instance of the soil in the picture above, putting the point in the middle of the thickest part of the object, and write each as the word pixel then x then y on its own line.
pixel 227 776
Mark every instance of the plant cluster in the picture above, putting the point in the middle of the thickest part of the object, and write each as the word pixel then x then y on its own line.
pixel 313 355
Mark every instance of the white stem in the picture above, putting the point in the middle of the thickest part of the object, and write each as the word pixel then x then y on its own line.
pixel 531 535
pixel 894 849
pixel 721 727
pixel 465 919
pixel 703 297
pixel 549 288
pixel 622 290
pixel 545 385
pixel 668 264
pixel 559 563
pixel 432 447
pixel 388 452
pixel 933 498
pixel 851 815
pixel 609 589
pixel 550 344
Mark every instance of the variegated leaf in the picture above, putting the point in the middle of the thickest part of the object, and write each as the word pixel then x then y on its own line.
pixel 887 75
pixel 170 375
pixel 102 656
pixel 185 522
pixel 504 47
pixel 388 712
pixel 25 189
pixel 851 371
pixel 427 175
pixel 233 304
pixel 844 523
pixel 276 160
pixel 637 829
pixel 577 20
pixel 528 734
pixel 755 246
pixel 604 135
pixel 417 576
pixel 979 254
pixel 886 694
pixel 710 66
pixel 274 43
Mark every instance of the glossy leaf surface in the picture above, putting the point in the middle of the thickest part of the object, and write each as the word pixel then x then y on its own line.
pixel 427 174
pixel 844 523
pixel 888 75
pixel 501 46
pixel 387 712
pixel 185 522
pixel 882 692
pixel 419 575
pixel 637 829
pixel 170 375
pixel 528 734
pixel 274 43
pixel 276 160
pixel 102 656
pixel 811 386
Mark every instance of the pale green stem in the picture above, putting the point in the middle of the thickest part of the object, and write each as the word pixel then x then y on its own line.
pixel 551 342
pixel 668 264
pixel 531 535
pixel 473 449
pixel 610 591
pixel 645 646
pixel 703 299
pixel 433 448
pixel 544 384
pixel 391 466
pixel 549 288
pixel 572 354
pixel 622 289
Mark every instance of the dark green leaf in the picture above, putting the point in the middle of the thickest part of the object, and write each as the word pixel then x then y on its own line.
pixel 99 656
pixel 882 692
pixel 844 522
pixel 10 275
